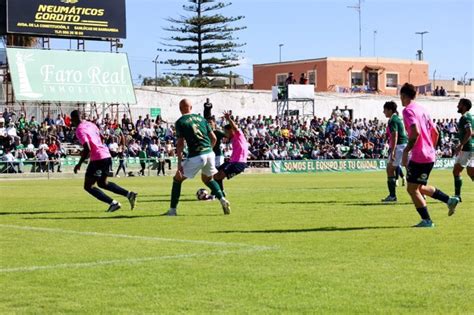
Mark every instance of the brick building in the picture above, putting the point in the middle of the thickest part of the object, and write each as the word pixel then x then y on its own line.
pixel 358 74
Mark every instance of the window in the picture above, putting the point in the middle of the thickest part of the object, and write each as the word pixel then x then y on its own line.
pixel 391 80
pixel 357 79
pixel 313 77
pixel 281 78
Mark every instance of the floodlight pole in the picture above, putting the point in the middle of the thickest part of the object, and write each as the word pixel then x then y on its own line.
pixel 280 46
pixel 358 8
pixel 375 34
pixel 421 34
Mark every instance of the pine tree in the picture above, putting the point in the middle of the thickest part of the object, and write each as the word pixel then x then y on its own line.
pixel 206 37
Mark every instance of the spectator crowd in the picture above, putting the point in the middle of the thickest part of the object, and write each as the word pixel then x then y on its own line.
pixel 27 140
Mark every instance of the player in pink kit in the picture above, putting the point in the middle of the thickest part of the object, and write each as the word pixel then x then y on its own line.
pixel 100 164
pixel 240 153
pixel 422 138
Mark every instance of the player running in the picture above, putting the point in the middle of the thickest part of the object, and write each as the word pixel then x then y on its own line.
pixel 465 149
pixel 398 141
pixel 240 153
pixel 217 147
pixel 422 138
pixel 196 132
pixel 100 164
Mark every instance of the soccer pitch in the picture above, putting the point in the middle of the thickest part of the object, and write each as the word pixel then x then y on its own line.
pixel 293 244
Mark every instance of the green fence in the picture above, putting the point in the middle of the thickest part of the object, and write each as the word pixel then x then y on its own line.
pixel 317 166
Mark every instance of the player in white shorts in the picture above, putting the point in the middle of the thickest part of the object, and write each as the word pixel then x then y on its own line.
pixel 195 131
pixel 465 149
pixel 397 139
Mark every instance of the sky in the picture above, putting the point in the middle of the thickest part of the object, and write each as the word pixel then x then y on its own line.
pixel 318 28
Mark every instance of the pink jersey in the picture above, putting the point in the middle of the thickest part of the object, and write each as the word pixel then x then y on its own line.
pixel 240 148
pixel 88 132
pixel 424 149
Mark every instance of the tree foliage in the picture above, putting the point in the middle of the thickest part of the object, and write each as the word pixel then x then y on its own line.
pixel 206 37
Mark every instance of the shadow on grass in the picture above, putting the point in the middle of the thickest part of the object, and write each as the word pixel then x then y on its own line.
pixel 117 217
pixel 305 202
pixel 322 229
pixel 341 202
pixel 166 200
pixel 41 212
pixel 378 203
pixel 123 217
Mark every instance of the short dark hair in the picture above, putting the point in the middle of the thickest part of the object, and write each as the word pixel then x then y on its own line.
pixel 466 102
pixel 228 127
pixel 408 90
pixel 391 105
pixel 75 114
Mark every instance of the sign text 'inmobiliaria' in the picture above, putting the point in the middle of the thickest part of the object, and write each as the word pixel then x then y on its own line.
pixel 70 76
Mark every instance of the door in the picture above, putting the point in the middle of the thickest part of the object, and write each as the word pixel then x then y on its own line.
pixel 373 81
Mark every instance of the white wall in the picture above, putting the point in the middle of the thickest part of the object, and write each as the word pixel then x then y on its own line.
pixel 249 102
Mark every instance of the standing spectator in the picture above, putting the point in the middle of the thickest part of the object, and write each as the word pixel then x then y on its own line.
pixel 207 109
pixel 122 165
pixel 143 160
pixel 290 80
pixel 7 115
pixel 442 92
pixel 303 79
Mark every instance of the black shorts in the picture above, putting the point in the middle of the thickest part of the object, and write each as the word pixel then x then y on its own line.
pixel 232 169
pixel 99 168
pixel 418 173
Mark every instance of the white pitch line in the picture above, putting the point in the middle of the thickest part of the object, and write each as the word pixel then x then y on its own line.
pixel 129 261
pixel 126 236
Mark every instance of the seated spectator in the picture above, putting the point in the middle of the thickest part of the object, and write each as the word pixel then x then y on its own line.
pixel 134 148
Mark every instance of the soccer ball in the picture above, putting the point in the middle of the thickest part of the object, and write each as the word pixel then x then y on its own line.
pixel 202 194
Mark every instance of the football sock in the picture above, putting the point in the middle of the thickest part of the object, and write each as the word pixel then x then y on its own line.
pixel 215 189
pixel 392 184
pixel 175 193
pixel 99 194
pixel 400 172
pixel 441 196
pixel 457 185
pixel 423 212
pixel 116 189
pixel 221 185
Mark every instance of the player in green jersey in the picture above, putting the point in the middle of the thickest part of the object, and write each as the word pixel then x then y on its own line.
pixel 464 150
pixel 397 141
pixel 194 130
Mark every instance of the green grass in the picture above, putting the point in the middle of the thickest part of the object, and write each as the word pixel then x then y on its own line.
pixel 306 244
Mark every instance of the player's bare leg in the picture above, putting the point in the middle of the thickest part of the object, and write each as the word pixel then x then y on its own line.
pixel 178 180
pixel 216 191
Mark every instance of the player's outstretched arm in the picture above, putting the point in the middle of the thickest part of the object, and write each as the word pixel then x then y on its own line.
pixel 232 123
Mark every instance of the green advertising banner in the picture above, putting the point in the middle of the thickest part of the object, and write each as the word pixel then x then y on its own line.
pixel 155 112
pixel 70 76
pixel 316 166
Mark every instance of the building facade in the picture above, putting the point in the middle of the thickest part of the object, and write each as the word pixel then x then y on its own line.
pixel 331 74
